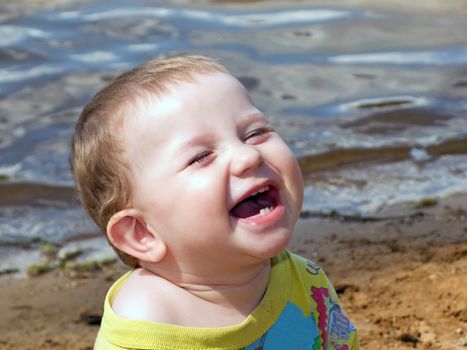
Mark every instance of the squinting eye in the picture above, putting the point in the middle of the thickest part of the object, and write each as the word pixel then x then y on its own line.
pixel 200 158
pixel 258 132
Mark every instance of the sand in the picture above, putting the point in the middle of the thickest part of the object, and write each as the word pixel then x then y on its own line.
pixel 402 279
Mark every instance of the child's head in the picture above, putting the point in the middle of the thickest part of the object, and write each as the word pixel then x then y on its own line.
pixel 168 160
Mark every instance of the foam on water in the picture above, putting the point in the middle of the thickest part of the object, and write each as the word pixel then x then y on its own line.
pixel 370 189
pixel 47 223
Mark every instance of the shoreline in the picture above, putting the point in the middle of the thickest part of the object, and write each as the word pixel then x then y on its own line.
pixel 402 282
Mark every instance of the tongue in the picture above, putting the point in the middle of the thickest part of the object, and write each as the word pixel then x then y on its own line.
pixel 252 206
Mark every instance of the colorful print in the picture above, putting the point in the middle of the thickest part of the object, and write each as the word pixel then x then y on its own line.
pixel 339 325
pixel 291 321
pixel 332 322
pixel 320 295
pixel 312 268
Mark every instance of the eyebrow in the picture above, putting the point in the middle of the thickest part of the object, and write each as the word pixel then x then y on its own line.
pixel 195 141
pixel 251 118
pixel 207 138
pixel 192 142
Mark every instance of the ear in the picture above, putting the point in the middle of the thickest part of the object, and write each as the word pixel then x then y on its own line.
pixel 128 232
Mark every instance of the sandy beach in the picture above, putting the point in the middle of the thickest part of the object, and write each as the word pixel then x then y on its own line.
pixel 370 96
pixel 401 278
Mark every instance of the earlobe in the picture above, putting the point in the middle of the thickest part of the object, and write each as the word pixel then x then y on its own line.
pixel 128 232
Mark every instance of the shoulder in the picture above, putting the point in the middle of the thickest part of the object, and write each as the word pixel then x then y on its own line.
pixel 144 296
pixel 310 277
pixel 307 269
pixel 313 289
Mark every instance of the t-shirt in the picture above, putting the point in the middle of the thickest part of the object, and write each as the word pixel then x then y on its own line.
pixel 299 310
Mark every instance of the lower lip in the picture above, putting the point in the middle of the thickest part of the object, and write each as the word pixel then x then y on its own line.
pixel 263 221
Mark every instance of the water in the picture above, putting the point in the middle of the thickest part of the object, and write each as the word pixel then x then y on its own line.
pixel 371 98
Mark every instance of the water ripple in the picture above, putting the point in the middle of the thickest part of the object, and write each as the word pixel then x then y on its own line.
pixel 234 20
pixel 95 57
pixel 344 84
pixel 21 73
pixel 444 56
pixel 11 35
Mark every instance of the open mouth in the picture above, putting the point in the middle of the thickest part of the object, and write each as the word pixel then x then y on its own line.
pixel 260 203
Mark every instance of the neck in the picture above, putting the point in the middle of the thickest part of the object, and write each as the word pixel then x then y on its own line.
pixel 241 290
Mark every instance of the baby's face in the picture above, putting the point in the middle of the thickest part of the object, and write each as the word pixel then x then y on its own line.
pixel 210 175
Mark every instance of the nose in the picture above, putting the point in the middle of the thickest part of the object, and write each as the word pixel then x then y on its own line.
pixel 245 158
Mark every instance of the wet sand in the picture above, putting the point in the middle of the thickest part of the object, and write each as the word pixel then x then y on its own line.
pixel 401 279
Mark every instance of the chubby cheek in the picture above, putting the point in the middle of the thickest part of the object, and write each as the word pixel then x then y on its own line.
pixel 288 166
pixel 187 217
pixel 197 202
pixel 297 187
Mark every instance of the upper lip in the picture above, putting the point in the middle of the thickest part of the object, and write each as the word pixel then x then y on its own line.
pixel 253 189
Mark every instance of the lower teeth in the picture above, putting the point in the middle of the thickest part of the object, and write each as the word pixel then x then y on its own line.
pixel 265 211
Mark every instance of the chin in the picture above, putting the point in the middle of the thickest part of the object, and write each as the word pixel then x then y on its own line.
pixel 276 245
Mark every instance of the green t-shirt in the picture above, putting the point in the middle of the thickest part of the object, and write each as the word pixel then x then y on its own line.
pixel 299 310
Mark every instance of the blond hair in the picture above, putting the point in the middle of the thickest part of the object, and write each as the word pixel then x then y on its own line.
pixel 100 170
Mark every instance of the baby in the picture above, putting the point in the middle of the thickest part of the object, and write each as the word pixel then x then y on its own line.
pixel 199 195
